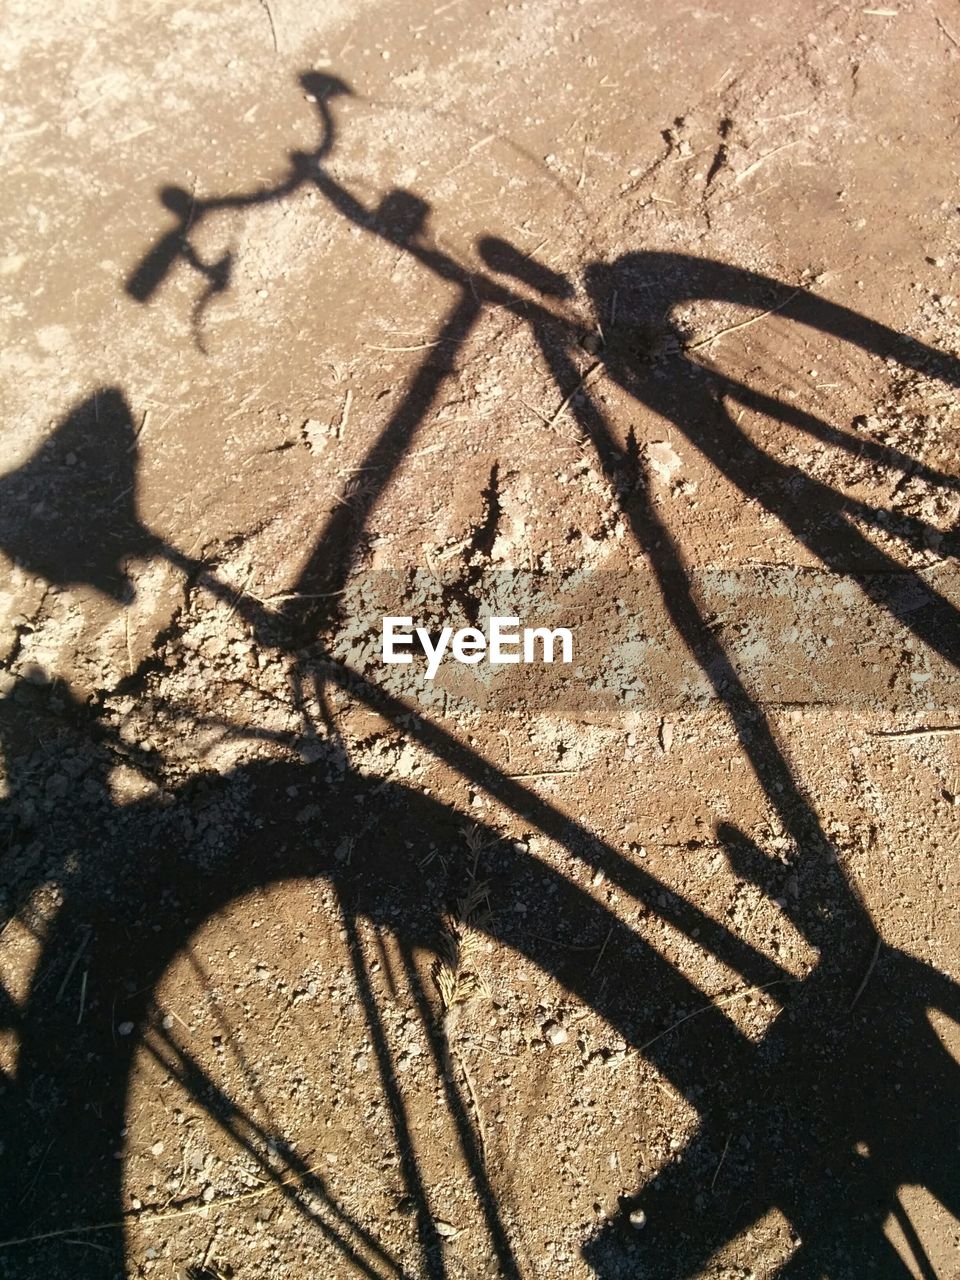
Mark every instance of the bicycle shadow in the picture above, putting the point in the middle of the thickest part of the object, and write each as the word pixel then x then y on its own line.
pixel 823 1119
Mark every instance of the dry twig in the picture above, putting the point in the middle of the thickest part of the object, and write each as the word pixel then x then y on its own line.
pixel 584 381
pixel 455 974
pixel 923 731
pixel 73 964
pixel 751 168
pixel 744 324
pixel 603 951
pixel 708 1008
pixel 273 26
pixel 866 976
pixel 723 1156
pixel 163 1215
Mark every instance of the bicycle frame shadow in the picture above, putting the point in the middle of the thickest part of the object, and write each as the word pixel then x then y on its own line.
pixel 786 1139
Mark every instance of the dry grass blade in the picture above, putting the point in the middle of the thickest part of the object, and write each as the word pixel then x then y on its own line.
pixel 273 26
pixel 455 972
pixel 581 385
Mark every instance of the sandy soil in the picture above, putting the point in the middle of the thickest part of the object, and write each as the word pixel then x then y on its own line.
pixel 634 319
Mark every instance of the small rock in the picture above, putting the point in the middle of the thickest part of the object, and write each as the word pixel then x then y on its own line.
pixel 125 1028
pixel 446 1229
pixel 317 435
pixel 638 1219
pixel 664 459
pixel 554 1034
pixel 157 1149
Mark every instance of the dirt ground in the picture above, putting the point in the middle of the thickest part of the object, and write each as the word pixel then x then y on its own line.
pixel 636 319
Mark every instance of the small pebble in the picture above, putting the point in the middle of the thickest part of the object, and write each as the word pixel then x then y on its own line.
pixel 554 1034
pixel 638 1219
pixel 125 1028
